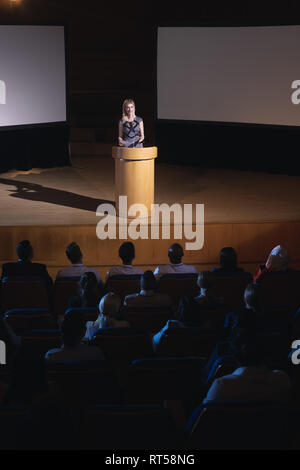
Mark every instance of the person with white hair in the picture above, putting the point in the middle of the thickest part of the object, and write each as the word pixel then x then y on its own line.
pixel 109 316
pixel 278 260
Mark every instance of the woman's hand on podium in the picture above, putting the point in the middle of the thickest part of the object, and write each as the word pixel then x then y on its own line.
pixel 121 142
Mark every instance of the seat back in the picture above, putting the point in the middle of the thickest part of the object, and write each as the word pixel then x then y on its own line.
pixel 123 285
pixel 154 380
pixel 178 285
pixel 24 319
pixel 38 342
pixel 128 427
pixel 280 289
pixel 230 288
pixel 64 289
pixel 15 429
pixel 22 292
pixel 90 313
pixel 84 382
pixel 151 319
pixel 238 426
pixel 188 341
pixel 123 343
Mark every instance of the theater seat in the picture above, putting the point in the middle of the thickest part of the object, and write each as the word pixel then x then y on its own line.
pixel 154 380
pixel 151 319
pixel 38 342
pixel 280 289
pixel 90 313
pixel 84 382
pixel 129 427
pixel 178 285
pixel 230 288
pixel 64 289
pixel 123 343
pixel 23 292
pixel 188 341
pixel 238 426
pixel 123 285
pixel 25 319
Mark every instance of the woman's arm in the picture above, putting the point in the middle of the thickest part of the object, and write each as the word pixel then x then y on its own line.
pixel 121 141
pixel 142 131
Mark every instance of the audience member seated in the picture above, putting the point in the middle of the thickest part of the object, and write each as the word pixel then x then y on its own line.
pixel 194 311
pixel 176 265
pixel 247 320
pixel 73 349
pixel 228 262
pixel 77 268
pixel 127 255
pixel 252 381
pixel 278 260
pixel 157 337
pixel 89 295
pixel 148 297
pixel 24 267
pixel 110 316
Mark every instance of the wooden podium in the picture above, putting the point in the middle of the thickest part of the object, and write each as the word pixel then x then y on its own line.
pixel 134 176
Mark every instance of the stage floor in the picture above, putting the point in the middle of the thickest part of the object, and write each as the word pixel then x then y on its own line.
pixel 70 195
pixel 251 211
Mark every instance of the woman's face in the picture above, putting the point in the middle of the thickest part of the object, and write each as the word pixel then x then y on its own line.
pixel 129 109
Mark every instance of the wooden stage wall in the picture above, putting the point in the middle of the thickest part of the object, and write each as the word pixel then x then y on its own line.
pixel 252 242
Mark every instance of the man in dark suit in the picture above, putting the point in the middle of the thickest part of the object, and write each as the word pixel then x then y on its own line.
pixel 24 267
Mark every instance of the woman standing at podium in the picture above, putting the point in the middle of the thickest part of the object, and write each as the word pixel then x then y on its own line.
pixel 131 127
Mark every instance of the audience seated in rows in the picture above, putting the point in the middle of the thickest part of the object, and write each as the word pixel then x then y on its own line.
pixel 77 268
pixel 109 316
pixel 89 292
pixel 278 260
pixel 252 380
pixel 176 265
pixel 148 297
pixel 228 262
pixel 127 255
pixel 73 349
pixel 24 267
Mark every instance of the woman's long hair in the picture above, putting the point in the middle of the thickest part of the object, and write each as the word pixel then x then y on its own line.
pixel 125 103
pixel 88 290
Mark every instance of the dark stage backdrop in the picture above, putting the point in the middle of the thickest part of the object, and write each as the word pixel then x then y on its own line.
pixel 112 56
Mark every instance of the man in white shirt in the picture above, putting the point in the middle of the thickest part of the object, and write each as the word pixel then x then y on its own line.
pixel 127 254
pixel 175 266
pixel 77 268
pixel 73 349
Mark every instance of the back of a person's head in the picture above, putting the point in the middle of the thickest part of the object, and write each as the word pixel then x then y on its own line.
pixel 249 353
pixel 110 305
pixel 72 328
pixel 204 280
pixel 278 259
pixel 88 288
pixel 252 297
pixel 24 250
pixel 127 252
pixel 148 281
pixel 228 258
pixel 175 253
pixel 73 253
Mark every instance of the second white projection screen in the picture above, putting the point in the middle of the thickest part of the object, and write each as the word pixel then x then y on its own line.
pixel 32 75
pixel 228 74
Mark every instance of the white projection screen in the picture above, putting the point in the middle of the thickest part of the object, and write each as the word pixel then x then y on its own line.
pixel 32 75
pixel 228 74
